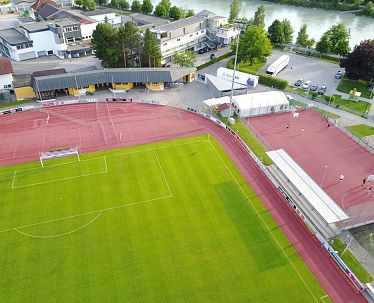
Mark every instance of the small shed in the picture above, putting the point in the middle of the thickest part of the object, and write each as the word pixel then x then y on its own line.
pixel 260 104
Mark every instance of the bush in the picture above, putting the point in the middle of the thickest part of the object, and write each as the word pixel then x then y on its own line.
pixel 272 82
pixel 314 95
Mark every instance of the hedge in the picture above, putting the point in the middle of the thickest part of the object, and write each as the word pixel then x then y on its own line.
pixel 215 60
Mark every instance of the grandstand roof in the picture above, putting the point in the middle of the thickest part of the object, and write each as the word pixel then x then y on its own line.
pixel 315 195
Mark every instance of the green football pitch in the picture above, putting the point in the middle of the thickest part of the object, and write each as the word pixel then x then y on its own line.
pixel 164 222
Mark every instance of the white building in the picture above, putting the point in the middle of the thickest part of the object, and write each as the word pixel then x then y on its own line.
pixel 260 104
pixel 194 33
pixel 6 77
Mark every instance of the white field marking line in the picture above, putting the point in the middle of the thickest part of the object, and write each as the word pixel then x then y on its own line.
pixel 62 234
pixel 163 174
pixel 323 298
pixel 262 220
pixel 60 179
pixel 84 214
pixel 14 177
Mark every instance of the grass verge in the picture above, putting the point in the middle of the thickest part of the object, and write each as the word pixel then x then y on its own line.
pixel 14 103
pixel 346 85
pixel 249 139
pixel 361 130
pixel 352 262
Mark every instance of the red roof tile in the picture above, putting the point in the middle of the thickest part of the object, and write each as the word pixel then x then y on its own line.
pixel 39 3
pixel 5 66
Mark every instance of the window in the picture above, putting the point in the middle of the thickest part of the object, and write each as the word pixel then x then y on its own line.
pixel 202 32
pixel 75 28
pixel 191 35
pixel 164 44
pixel 179 39
pixel 197 33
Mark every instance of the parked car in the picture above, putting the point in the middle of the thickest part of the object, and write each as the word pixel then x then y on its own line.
pixel 202 51
pixel 299 82
pixel 306 84
pixel 313 87
pixel 322 90
pixel 339 75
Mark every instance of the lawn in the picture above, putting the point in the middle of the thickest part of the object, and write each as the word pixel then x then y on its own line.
pixel 346 85
pixel 361 130
pixel 252 142
pixel 352 262
pixel 356 106
pixel 246 67
pixel 164 222
pixel 14 103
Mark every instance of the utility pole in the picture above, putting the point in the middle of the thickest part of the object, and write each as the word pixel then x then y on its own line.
pixel 233 75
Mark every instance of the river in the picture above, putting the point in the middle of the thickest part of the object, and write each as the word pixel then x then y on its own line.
pixel 318 20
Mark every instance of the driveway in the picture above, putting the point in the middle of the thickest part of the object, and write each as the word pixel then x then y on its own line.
pixel 318 71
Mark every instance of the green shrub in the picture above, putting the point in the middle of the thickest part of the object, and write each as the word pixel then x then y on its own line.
pixel 229 54
pixel 314 95
pixel 272 82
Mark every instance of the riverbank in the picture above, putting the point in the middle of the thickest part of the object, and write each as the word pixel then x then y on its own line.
pixel 331 5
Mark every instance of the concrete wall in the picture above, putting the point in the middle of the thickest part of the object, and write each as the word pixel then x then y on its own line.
pixel 82 91
pixel 123 86
pixel 155 85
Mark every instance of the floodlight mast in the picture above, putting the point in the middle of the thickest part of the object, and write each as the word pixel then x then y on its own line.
pixel 233 74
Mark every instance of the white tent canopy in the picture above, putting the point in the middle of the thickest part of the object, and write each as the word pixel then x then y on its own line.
pixel 314 194
pixel 260 103
pixel 223 85
pixel 217 101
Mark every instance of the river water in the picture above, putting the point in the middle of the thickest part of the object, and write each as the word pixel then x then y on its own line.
pixel 318 20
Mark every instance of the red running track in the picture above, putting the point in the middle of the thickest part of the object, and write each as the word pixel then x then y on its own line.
pixel 24 134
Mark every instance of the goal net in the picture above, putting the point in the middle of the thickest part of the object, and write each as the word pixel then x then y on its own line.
pixel 58 153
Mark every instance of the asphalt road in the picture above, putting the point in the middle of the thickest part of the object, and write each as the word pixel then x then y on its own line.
pixel 318 71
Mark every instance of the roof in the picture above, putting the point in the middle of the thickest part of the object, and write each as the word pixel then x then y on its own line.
pixel 73 15
pixel 26 20
pixel 36 26
pixel 39 3
pixel 223 85
pixel 13 36
pixel 98 11
pixel 49 72
pixel 5 66
pixel 217 101
pixel 148 19
pixel 118 75
pixel 47 10
pixel 264 99
pixel 181 23
pixel 314 194
pixel 208 14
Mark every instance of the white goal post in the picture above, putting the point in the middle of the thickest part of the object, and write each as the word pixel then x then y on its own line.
pixel 59 153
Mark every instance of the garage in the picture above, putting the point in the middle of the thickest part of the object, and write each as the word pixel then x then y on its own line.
pixel 42 53
pixel 26 56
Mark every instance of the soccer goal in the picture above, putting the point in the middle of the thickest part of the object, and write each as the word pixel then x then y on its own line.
pixel 59 153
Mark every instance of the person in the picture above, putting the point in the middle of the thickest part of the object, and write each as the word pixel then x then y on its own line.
pixel 341 178
pixel 363 182
pixel 287 126
pixel 302 130
pixel 328 124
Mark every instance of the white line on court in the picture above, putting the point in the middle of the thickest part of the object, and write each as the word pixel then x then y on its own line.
pixel 262 220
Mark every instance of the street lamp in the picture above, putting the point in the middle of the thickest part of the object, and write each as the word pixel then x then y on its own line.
pixel 233 76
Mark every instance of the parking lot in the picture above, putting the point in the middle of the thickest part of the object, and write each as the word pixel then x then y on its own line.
pixel 318 71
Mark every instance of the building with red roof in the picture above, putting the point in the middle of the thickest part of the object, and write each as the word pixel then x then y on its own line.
pixel 6 71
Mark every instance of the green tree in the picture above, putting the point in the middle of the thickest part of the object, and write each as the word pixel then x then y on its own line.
pixel 114 3
pixel 275 31
pixel 324 45
pixel 352 94
pixel 147 7
pixel 259 18
pixel 185 59
pixel 102 2
pixel 123 4
pixel 176 13
pixel 78 2
pixel 129 41
pixel 190 13
pixel 234 10
pixel 254 44
pixel 136 6
pixel 303 38
pixel 151 54
pixel 161 10
pixel 105 44
pixel 287 31
pixel 339 37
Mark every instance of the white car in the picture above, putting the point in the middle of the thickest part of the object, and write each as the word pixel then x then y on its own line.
pixel 306 84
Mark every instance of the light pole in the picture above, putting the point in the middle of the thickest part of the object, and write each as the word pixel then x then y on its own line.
pixel 233 75
pixel 323 177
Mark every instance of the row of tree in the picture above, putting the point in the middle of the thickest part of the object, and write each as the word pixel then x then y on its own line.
pixel 125 47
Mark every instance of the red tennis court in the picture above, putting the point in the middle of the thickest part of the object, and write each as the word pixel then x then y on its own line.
pixel 324 153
